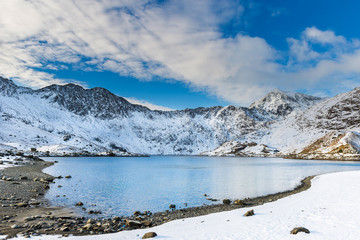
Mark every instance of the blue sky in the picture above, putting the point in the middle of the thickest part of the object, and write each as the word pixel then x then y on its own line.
pixel 183 54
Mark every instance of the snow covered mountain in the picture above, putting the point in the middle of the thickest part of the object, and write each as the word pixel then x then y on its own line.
pixel 278 103
pixel 71 120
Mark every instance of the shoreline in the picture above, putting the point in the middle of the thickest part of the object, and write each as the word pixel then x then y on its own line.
pixel 34 209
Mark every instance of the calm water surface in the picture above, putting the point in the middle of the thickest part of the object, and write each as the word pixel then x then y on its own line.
pixel 119 186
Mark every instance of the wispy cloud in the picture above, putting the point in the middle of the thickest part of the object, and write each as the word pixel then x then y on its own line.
pixel 178 40
pixel 148 104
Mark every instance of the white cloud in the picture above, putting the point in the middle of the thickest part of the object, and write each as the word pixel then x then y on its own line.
pixel 324 37
pixel 173 40
pixel 148 104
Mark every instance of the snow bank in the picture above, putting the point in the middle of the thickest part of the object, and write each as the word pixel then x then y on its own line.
pixel 8 161
pixel 329 209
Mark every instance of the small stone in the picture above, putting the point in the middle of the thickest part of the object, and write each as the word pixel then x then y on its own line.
pixel 149 235
pixel 249 213
pixel 299 229
pixel 21 204
pixel 91 221
pixel 79 204
pixel 15 226
pixel 226 201
pixel 68 176
pixel 27 219
pixel 137 213
pixel 65 229
pixel 59 186
pixel 132 223
pixel 23 178
pixel 238 202
pixel 146 223
pixel 172 206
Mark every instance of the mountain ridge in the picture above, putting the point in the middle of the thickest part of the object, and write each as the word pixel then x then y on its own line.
pixel 68 119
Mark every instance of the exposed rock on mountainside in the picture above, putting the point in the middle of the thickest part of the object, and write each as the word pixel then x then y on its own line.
pixel 246 149
pixel 278 103
pixel 334 145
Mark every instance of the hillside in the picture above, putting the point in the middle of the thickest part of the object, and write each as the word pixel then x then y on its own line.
pixel 71 120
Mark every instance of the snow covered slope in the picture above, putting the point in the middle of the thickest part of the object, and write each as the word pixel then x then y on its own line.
pixel 278 103
pixel 71 120
pixel 234 148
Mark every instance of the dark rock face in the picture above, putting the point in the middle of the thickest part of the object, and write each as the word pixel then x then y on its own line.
pixel 97 102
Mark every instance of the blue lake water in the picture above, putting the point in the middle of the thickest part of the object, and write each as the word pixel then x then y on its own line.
pixel 119 186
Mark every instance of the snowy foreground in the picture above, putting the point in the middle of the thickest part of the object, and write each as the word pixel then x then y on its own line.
pixel 330 209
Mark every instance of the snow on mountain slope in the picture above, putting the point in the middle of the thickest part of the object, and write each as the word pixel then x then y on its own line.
pixel 234 148
pixel 337 115
pixel 278 103
pixel 69 119
pixel 72 120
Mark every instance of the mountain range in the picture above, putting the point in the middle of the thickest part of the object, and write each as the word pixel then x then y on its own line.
pixel 60 120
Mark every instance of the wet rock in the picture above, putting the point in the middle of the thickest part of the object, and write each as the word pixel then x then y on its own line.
pixel 132 223
pixel 137 213
pixel 172 206
pixel 226 201
pixel 68 176
pixel 15 226
pixel 238 202
pixel 94 212
pixel 249 213
pixel 27 219
pixel 23 178
pixel 146 223
pixel 64 229
pixel 21 204
pixel 59 186
pixel 299 229
pixel 79 204
pixel 149 235
pixel 91 221
pixel 87 226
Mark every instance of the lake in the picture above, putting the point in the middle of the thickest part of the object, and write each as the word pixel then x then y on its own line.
pixel 119 186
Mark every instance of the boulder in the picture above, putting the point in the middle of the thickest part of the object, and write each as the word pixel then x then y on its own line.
pixel 238 202
pixel 149 235
pixel 249 213
pixel 132 223
pixel 299 229
pixel 226 201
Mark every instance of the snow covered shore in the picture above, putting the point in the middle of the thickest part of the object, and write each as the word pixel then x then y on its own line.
pixel 329 209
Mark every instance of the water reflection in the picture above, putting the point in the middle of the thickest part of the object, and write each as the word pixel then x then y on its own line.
pixel 119 186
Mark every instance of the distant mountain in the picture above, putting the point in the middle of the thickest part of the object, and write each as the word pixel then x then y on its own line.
pixel 71 120
pixel 279 103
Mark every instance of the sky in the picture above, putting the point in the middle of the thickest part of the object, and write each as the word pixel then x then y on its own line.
pixel 183 54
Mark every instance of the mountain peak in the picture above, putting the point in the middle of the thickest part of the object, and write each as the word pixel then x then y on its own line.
pixel 282 103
